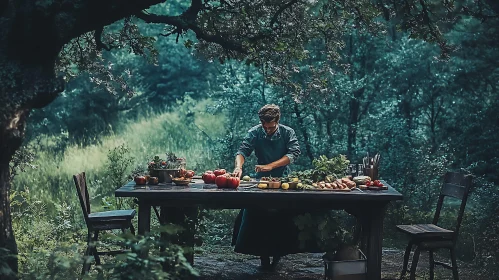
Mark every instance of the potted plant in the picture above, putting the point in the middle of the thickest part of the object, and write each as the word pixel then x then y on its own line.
pixel 166 169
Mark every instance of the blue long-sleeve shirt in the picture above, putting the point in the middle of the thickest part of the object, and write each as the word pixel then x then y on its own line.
pixel 271 148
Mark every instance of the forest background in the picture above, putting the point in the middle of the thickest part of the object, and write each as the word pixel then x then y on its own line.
pixel 391 94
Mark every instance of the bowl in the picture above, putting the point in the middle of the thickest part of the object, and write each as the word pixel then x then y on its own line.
pixel 181 182
pixel 153 180
pixel 274 184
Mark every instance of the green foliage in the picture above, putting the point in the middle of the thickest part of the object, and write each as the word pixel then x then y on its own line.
pixel 135 264
pixel 171 162
pixel 335 167
pixel 325 230
pixel 22 161
pixel 5 270
pixel 119 161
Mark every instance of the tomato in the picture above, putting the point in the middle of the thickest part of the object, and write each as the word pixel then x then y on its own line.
pixel 163 163
pixel 182 172
pixel 140 180
pixel 189 174
pixel 377 183
pixel 368 183
pixel 209 178
pixel 221 181
pixel 219 172
pixel 233 182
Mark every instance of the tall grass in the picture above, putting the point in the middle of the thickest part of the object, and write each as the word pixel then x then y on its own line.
pixel 181 131
pixel 46 210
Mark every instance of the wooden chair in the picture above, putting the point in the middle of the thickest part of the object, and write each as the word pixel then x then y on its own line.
pixel 430 237
pixel 108 220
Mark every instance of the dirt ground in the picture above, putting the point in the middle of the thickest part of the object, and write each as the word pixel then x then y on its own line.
pixel 221 263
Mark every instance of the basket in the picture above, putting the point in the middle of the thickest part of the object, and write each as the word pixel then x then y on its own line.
pixel 346 270
pixel 274 185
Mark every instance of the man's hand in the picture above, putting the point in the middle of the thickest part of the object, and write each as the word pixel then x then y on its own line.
pixel 263 168
pixel 238 171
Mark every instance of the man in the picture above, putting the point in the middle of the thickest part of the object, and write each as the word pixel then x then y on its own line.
pixel 263 232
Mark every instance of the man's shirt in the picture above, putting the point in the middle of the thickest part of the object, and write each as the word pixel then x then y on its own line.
pixel 271 148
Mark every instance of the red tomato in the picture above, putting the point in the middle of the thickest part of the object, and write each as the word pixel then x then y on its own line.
pixel 209 178
pixel 219 172
pixel 368 183
pixel 140 180
pixel 233 182
pixel 221 181
pixel 189 174
pixel 163 163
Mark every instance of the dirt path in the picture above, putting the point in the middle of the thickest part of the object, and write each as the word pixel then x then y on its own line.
pixel 221 263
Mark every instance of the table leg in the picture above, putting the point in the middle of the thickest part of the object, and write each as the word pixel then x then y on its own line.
pixel 144 217
pixel 186 217
pixel 373 231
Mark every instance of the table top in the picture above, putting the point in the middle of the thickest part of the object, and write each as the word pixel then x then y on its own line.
pixel 198 192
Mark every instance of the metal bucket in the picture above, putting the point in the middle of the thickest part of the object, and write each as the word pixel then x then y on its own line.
pixel 346 270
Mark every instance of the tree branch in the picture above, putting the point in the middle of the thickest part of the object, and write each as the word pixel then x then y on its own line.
pixel 183 23
pixel 281 10
pixel 102 14
pixel 98 39
pixel 47 91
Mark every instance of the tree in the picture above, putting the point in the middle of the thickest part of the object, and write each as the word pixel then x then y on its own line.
pixel 40 39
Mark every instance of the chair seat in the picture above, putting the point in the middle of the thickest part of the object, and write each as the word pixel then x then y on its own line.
pixel 112 216
pixel 426 230
pixel 436 244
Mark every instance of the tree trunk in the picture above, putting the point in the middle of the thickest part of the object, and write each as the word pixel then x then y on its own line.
pixel 11 138
pixel 32 86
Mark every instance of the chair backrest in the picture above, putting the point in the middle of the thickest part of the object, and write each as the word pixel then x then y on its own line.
pixel 458 186
pixel 81 189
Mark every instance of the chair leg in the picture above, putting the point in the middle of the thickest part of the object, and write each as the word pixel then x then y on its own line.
pixel 454 264
pixel 86 263
pixel 414 265
pixel 406 259
pixel 96 254
pixel 432 265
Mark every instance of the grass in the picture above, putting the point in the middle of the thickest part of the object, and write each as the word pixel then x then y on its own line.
pixel 46 211
pixel 176 131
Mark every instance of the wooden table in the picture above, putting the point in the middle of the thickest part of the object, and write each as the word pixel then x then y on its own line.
pixel 368 206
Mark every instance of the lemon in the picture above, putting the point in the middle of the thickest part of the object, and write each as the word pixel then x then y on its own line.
pixel 295 179
pixel 299 185
pixel 285 186
pixel 262 186
pixel 246 178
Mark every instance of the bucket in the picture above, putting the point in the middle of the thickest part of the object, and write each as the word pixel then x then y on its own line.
pixel 346 270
